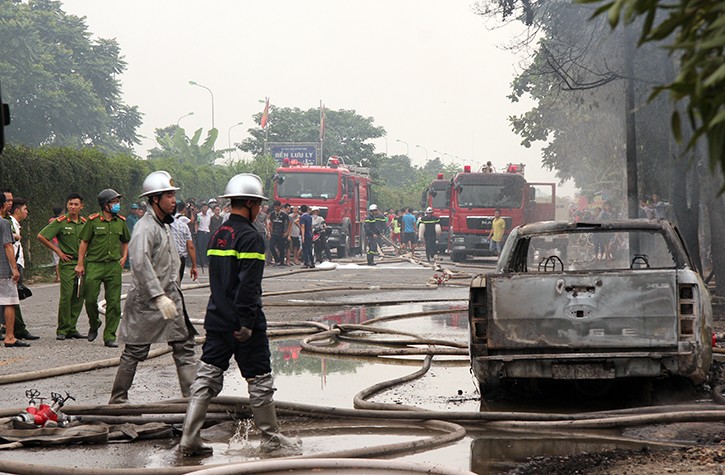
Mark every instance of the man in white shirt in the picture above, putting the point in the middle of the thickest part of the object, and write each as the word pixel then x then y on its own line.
pixel 202 233
pixel 18 213
pixel 183 240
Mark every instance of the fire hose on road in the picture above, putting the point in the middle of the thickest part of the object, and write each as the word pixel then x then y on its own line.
pixel 447 423
pixel 446 427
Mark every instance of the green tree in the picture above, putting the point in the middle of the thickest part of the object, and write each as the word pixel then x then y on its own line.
pixel 578 77
pixel 61 86
pixel 695 31
pixel 173 143
pixel 398 184
pixel 582 62
pixel 346 133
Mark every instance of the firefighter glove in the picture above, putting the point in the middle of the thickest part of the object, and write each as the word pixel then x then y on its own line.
pixel 166 306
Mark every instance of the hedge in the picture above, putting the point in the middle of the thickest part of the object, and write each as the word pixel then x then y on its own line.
pixel 45 176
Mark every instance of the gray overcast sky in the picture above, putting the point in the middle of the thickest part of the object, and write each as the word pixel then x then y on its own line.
pixel 428 71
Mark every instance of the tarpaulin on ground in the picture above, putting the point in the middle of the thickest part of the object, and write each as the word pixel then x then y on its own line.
pixel 13 435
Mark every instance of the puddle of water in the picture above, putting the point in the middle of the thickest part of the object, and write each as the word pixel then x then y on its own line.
pixel 312 379
pixel 498 452
pixel 331 381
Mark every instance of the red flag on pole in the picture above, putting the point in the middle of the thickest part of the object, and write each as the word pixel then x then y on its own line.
pixel 322 122
pixel 265 114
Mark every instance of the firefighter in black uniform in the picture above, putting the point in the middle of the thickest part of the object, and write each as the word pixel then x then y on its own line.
pixel 374 228
pixel 430 229
pixel 235 323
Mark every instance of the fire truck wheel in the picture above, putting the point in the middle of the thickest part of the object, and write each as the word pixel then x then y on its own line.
pixel 457 256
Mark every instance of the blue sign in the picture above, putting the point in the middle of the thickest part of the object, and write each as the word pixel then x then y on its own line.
pixel 302 153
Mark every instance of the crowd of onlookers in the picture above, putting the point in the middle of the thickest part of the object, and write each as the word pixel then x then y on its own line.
pixel 281 227
pixel 649 208
pixel 288 231
pixel 403 227
pixel 278 223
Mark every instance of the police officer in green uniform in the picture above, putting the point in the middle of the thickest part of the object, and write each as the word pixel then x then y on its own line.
pixel 101 255
pixel 67 229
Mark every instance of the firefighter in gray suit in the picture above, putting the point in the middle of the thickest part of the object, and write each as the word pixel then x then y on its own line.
pixel 154 311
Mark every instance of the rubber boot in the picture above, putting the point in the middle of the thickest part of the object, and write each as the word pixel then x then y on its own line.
pixel 273 442
pixel 208 383
pixel 121 385
pixel 371 259
pixel 190 445
pixel 185 361
pixel 187 375
pixel 261 389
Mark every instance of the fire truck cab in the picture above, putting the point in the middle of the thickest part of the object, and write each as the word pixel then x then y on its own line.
pixel 340 191
pixel 473 198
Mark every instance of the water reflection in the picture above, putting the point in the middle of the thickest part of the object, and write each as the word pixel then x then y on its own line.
pixel 333 381
pixel 288 358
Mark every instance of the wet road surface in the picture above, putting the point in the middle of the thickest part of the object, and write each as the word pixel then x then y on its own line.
pixel 325 381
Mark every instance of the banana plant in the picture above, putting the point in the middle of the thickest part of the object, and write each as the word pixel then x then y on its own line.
pixel 174 143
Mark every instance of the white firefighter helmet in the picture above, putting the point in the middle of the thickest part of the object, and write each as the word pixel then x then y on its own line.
pixel 314 208
pixel 373 207
pixel 158 182
pixel 429 209
pixel 245 185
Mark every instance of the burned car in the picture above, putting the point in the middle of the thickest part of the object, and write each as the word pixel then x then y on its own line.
pixel 590 302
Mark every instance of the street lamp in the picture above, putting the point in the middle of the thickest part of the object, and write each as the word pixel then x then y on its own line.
pixel 146 138
pixel 143 137
pixel 407 147
pixel 185 115
pixel 229 137
pixel 194 83
pixel 426 152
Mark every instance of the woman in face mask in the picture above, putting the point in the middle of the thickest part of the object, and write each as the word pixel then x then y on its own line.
pixel 101 255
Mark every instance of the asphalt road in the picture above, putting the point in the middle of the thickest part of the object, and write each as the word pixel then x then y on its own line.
pixel 156 378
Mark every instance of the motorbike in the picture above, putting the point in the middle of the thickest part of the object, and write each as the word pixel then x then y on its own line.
pixel 319 242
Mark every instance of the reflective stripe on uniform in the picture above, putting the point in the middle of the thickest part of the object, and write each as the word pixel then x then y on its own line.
pixel 233 253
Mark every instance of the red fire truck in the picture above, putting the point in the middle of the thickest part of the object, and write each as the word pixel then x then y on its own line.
pixel 474 197
pixel 340 191
pixel 436 197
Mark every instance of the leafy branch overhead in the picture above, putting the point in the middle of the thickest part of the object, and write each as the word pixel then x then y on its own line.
pixel 695 32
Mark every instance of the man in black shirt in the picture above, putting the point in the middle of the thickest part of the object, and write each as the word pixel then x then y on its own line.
pixel 278 228
pixel 430 229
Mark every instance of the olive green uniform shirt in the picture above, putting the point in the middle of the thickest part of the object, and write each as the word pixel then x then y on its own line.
pixel 104 237
pixel 67 232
